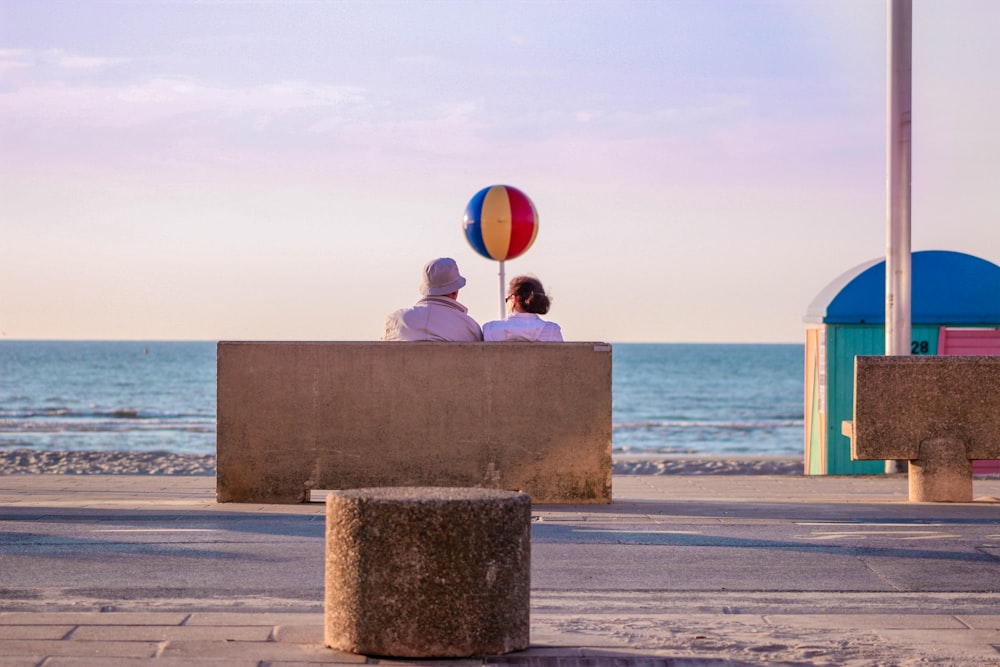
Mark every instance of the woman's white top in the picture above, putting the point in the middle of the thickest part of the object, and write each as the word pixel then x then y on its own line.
pixel 522 326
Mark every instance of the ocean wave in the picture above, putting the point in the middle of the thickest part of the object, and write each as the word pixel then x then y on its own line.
pixel 688 424
pixel 64 412
pixel 110 422
pixel 732 436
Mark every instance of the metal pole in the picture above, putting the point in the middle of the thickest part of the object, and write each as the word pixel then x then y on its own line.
pixel 503 294
pixel 898 276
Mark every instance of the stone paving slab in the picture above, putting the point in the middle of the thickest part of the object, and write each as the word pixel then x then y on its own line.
pixel 239 650
pixel 870 621
pixel 69 647
pixel 22 661
pixel 159 661
pixel 172 633
pixel 78 618
pixel 554 635
pixel 34 631
pixel 982 621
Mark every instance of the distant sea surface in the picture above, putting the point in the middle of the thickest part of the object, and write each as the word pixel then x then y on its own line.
pixel 711 399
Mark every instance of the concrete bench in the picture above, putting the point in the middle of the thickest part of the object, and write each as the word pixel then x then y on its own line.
pixel 427 572
pixel 297 417
pixel 937 412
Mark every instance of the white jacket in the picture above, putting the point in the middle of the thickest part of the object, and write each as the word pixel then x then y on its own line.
pixel 438 318
pixel 522 326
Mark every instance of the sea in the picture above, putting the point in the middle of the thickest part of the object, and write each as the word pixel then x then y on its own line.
pixel 668 398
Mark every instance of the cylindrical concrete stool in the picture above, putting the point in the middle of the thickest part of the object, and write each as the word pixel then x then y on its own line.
pixel 428 572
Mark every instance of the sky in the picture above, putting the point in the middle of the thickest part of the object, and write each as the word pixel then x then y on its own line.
pixel 265 170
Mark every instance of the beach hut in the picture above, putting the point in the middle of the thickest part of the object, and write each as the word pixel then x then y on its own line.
pixel 955 309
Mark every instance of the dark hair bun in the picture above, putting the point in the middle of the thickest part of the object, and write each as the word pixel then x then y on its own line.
pixel 531 294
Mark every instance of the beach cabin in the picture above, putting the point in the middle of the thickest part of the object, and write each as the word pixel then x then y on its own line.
pixel 955 309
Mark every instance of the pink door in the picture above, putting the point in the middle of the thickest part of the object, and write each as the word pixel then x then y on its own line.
pixel 972 341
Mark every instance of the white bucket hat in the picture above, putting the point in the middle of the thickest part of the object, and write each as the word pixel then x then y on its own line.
pixel 441 277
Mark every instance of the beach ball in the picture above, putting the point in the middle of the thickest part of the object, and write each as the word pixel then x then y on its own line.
pixel 500 222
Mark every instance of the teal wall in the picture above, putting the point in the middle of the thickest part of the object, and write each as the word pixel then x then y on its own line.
pixel 843 343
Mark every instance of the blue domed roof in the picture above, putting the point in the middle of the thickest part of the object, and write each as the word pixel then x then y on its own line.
pixel 947 288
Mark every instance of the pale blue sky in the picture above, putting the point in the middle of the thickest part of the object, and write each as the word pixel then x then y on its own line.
pixel 283 170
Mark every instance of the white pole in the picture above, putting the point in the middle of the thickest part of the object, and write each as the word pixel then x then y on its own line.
pixel 503 294
pixel 898 276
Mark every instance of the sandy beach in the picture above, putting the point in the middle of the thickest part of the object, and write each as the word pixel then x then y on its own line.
pixel 29 461
pixel 34 462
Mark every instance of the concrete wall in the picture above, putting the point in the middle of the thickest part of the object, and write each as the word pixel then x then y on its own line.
pixel 900 402
pixel 298 416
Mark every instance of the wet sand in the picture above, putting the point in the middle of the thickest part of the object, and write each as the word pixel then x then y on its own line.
pixel 28 461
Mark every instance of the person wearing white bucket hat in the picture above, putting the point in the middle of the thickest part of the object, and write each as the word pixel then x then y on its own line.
pixel 438 315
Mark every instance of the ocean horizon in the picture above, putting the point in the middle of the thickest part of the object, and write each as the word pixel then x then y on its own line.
pixel 668 398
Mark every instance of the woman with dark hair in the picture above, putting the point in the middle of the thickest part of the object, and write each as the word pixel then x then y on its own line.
pixel 526 300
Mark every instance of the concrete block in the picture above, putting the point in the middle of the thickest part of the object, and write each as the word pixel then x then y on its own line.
pixel 428 572
pixel 295 417
pixel 937 412
pixel 901 401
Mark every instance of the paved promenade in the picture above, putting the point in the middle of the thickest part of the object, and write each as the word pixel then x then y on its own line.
pixel 115 570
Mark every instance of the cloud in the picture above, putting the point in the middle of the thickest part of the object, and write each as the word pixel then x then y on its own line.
pixel 12 60
pixel 80 62
pixel 107 105
pixel 53 63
